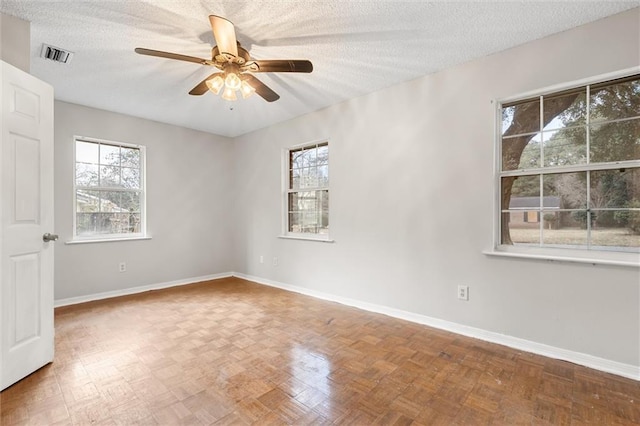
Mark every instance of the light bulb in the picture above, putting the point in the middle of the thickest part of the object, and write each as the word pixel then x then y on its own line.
pixel 229 94
pixel 246 89
pixel 215 84
pixel 232 81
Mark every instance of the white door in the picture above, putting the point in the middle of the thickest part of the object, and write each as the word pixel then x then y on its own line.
pixel 26 179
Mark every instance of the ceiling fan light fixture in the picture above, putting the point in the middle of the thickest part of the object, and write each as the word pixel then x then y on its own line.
pixel 215 84
pixel 229 94
pixel 234 65
pixel 246 90
pixel 232 81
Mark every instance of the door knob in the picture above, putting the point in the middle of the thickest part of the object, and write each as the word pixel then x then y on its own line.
pixel 49 237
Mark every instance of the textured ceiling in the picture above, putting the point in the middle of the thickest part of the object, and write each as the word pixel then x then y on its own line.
pixel 357 47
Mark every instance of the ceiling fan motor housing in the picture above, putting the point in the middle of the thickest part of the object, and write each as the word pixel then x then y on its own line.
pixel 242 58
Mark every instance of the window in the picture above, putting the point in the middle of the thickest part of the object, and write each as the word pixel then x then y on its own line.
pixel 109 194
pixel 307 191
pixel 570 161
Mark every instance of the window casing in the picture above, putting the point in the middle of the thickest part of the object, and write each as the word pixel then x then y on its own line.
pixel 109 190
pixel 569 169
pixel 307 191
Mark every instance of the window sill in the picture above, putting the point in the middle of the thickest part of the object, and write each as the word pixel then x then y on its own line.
pixel 562 255
pixel 306 238
pixel 106 240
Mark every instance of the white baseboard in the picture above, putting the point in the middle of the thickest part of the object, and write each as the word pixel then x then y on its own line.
pixel 134 290
pixel 609 366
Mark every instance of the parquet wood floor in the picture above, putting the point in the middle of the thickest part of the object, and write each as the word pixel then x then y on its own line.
pixel 231 352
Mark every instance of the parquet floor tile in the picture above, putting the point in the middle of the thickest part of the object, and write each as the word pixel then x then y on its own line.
pixel 231 352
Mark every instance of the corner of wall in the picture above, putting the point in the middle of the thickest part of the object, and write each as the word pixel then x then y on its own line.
pixel 15 41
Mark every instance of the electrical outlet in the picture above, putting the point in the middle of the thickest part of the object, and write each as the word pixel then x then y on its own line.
pixel 463 292
pixel 275 261
pixel 122 267
pixel 261 259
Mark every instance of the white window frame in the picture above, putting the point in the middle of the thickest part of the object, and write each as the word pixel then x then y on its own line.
pixel 286 191
pixel 591 256
pixel 142 235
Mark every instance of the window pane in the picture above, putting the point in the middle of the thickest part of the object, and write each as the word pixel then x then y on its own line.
pixel 323 155
pixel 130 178
pixel 521 118
pixel 521 152
pixel 565 190
pixel 615 229
pixel 310 221
pixel 120 222
pixel 324 212
pixel 323 175
pixel 564 229
pixel 523 227
pixel 110 201
pixel 294 222
pixel 296 159
pixel 309 212
pixel 294 177
pixel 134 223
pixel 86 174
pixel 309 157
pixel 324 200
pixel 615 101
pixel 94 223
pixel 109 176
pixel 87 201
pixel 629 220
pixel 324 227
pixel 617 141
pixel 566 110
pixel 565 147
pixel 130 157
pixel 85 223
pixel 614 188
pixel 105 223
pixel 304 200
pixel 309 177
pixel 293 202
pixel 521 192
pixel 110 155
pixel 130 202
pixel 86 152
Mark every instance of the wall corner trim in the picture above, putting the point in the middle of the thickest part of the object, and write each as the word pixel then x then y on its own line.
pixel 597 363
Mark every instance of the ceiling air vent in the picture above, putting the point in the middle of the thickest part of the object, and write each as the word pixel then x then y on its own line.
pixel 56 54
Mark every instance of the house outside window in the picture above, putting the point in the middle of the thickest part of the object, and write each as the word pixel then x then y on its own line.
pixel 307 191
pixel 569 168
pixel 109 190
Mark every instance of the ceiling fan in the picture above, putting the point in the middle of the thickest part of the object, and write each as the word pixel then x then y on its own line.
pixel 235 66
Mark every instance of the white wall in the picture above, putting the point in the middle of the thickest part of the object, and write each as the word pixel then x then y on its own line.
pixel 189 197
pixel 411 202
pixel 15 40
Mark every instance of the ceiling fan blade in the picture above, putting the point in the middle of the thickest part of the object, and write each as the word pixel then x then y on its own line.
pixel 261 89
pixel 170 55
pixel 225 35
pixel 202 88
pixel 282 65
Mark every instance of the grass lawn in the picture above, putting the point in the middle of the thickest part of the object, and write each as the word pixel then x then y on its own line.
pixel 608 237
